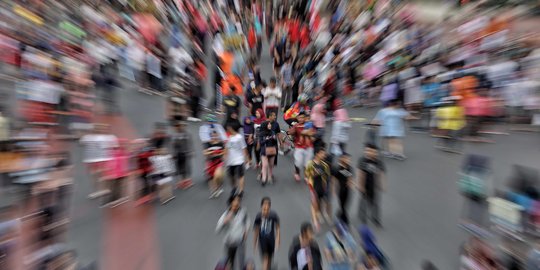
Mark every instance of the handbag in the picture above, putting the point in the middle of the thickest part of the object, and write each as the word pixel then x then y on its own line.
pixel 270 150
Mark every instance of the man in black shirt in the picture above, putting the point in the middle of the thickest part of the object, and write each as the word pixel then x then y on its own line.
pixel 255 99
pixel 231 103
pixel 343 174
pixel 266 233
pixel 305 253
pixel 370 181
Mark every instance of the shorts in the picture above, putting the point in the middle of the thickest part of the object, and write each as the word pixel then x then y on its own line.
pixel 302 156
pixel 267 247
pixel 236 170
pixel 211 167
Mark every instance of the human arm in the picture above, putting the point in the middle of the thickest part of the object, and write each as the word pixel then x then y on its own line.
pixel 224 221
pixel 361 181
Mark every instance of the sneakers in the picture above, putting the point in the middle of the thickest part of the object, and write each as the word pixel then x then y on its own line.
pixel 185 184
pixel 297 177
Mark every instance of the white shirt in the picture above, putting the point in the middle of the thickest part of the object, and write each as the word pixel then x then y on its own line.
pixel 180 59
pixel 97 147
pixel 153 65
pixel 235 150
pixel 218 45
pixel 272 96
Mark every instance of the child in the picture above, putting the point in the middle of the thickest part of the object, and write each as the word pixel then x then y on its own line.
pixel 249 137
pixel 163 169
pixel 214 150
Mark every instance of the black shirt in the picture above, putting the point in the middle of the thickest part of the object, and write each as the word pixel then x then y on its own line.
pixel 342 174
pixel 267 226
pixel 371 168
pixel 232 104
pixel 256 101
pixel 217 149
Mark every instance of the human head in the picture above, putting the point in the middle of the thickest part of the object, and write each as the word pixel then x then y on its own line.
pixel 233 128
pixel 427 265
pixel 247 120
pixel 272 82
pixel 214 136
pixel 272 116
pixel 234 202
pixel 394 103
pixel 266 203
pixel 306 231
pixel 258 113
pixel 371 150
pixel 301 117
pixel 320 153
pixel 268 126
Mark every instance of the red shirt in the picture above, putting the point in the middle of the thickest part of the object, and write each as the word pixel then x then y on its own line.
pixel 301 141
pixel 294 31
pixel 304 37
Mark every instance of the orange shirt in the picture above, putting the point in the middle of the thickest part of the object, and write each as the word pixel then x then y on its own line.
pixel 228 82
pixel 464 87
pixel 227 61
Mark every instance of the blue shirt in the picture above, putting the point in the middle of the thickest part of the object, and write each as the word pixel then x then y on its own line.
pixel 432 94
pixel 391 120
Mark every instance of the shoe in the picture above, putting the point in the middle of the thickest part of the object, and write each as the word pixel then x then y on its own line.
pixel 191 119
pixel 219 192
pixel 143 200
pixel 387 154
pixel 399 157
pixel 281 153
pixel 213 195
pixel 377 223
pixel 297 177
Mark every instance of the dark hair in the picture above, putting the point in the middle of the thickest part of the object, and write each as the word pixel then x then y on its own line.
pixel 301 113
pixel 234 126
pixel 305 227
pixel 318 150
pixel 345 154
pixel 235 194
pixel 266 199
pixel 273 80
pixel 427 265
pixel 372 146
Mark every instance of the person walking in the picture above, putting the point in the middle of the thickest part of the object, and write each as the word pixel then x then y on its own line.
pixel 183 151
pixel 268 147
pixel 272 97
pixel 392 121
pixel 267 235
pixel 340 131
pixel 236 156
pixel 343 178
pixel 341 248
pixel 303 145
pixel 371 180
pixel 214 151
pixel 318 175
pixel 234 224
pixel 304 253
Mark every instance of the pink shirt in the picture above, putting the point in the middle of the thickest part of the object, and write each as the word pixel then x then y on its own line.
pixel 317 115
pixel 478 106
pixel 118 166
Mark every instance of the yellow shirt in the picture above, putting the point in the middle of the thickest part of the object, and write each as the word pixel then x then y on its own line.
pixel 451 117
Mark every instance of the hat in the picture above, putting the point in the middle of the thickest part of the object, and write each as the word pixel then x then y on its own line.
pixel 211 118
